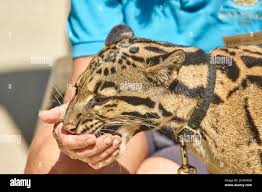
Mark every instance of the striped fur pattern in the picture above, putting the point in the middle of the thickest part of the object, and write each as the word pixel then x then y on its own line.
pixel 137 84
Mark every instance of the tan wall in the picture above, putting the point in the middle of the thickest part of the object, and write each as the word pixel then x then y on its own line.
pixel 28 28
pixel 13 148
pixel 31 28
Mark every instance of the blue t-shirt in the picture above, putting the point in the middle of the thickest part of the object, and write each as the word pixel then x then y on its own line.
pixel 199 23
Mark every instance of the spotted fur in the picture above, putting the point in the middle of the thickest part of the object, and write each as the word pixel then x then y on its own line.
pixel 136 84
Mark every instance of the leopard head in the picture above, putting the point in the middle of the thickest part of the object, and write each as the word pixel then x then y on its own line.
pixel 123 89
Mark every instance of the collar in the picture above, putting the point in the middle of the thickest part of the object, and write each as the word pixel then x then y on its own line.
pixel 198 114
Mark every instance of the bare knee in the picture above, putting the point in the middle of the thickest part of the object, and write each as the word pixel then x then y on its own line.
pixel 158 165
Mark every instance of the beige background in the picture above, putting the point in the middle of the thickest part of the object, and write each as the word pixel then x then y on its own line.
pixel 28 28
pixel 31 28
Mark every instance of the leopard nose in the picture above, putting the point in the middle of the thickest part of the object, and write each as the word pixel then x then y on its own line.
pixel 70 128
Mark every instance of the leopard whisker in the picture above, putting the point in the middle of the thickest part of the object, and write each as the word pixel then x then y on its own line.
pixel 119 123
pixel 153 114
pixel 58 91
pixel 57 99
pixel 130 116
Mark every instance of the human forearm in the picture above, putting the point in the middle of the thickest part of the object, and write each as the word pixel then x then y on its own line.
pixel 79 66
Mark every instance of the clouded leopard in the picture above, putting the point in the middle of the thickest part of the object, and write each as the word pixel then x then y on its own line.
pixel 135 84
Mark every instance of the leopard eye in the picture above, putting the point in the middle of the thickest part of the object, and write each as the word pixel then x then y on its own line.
pixel 97 100
pixel 100 99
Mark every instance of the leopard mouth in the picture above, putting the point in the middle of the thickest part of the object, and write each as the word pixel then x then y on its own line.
pixel 98 128
pixel 107 129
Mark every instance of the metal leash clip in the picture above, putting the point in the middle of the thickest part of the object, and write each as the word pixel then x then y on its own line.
pixel 185 168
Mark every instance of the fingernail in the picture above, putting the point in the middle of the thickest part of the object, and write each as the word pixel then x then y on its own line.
pixel 116 142
pixel 108 140
pixel 98 165
pixel 91 141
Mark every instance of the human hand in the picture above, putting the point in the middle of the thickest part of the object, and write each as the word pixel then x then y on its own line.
pixel 97 152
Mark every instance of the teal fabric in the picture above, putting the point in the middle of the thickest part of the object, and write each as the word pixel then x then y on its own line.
pixel 200 23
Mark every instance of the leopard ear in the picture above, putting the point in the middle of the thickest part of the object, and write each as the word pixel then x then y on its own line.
pixel 169 64
pixel 118 33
